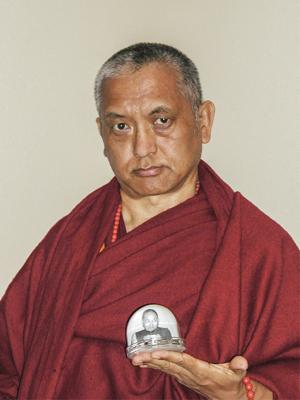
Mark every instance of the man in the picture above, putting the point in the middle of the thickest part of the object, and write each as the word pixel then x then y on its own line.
pixel 165 224
pixel 151 330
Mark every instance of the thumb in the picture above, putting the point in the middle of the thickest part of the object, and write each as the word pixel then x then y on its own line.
pixel 239 365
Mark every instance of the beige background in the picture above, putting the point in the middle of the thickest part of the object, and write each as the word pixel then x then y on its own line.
pixel 247 52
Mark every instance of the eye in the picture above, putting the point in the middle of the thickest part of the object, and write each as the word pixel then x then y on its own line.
pixel 162 121
pixel 120 127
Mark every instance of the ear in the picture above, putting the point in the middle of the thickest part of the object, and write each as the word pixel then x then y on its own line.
pixel 98 122
pixel 206 119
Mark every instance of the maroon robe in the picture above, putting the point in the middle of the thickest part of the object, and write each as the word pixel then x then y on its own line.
pixel 241 300
pixel 168 259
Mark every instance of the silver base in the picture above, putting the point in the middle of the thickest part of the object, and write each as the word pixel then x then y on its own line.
pixel 174 344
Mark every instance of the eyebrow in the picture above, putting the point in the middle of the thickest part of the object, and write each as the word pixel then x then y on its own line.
pixel 113 115
pixel 160 109
pixel 156 110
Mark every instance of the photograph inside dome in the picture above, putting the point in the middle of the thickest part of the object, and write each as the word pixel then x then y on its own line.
pixel 153 327
pixel 151 330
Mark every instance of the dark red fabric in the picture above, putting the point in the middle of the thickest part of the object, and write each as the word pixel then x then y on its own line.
pixel 246 305
pixel 167 263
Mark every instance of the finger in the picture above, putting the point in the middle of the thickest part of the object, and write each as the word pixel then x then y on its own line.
pixel 185 368
pixel 154 360
pixel 141 358
pixel 183 360
pixel 146 357
pixel 182 375
pixel 165 366
pixel 152 365
pixel 239 365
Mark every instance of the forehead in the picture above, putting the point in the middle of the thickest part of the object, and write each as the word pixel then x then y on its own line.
pixel 155 81
pixel 150 315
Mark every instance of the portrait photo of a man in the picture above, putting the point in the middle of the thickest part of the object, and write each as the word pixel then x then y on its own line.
pixel 152 330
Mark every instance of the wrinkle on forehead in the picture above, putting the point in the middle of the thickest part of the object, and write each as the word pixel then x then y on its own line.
pixel 133 92
pixel 150 315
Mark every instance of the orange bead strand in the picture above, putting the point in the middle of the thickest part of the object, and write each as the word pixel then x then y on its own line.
pixel 118 217
pixel 116 223
pixel 249 388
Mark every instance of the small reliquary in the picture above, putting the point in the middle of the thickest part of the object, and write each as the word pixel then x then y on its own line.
pixel 153 327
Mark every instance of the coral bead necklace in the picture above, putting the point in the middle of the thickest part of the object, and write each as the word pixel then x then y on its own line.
pixel 119 212
pixel 246 380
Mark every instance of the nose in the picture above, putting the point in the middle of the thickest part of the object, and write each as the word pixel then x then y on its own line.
pixel 144 142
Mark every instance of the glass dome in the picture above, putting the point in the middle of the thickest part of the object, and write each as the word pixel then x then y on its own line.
pixel 153 327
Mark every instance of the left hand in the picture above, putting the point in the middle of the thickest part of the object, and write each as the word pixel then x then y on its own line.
pixel 214 381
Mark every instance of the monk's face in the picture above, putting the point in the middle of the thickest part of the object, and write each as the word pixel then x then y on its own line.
pixel 150 321
pixel 151 137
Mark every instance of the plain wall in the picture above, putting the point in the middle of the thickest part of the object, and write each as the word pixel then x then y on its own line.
pixel 51 156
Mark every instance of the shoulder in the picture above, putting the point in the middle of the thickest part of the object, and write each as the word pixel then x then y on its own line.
pixel 261 231
pixel 95 199
pixel 79 209
pixel 43 252
pixel 96 195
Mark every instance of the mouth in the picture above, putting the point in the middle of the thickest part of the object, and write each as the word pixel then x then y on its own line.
pixel 149 171
pixel 150 328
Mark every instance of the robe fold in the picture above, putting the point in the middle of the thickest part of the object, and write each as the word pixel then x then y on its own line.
pixel 65 312
pixel 159 261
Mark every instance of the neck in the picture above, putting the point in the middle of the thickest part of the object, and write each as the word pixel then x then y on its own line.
pixel 136 211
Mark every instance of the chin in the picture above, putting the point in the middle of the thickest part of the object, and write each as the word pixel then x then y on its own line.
pixel 144 188
pixel 145 193
pixel 151 190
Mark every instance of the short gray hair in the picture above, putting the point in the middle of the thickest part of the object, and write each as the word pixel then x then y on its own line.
pixel 149 310
pixel 132 58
